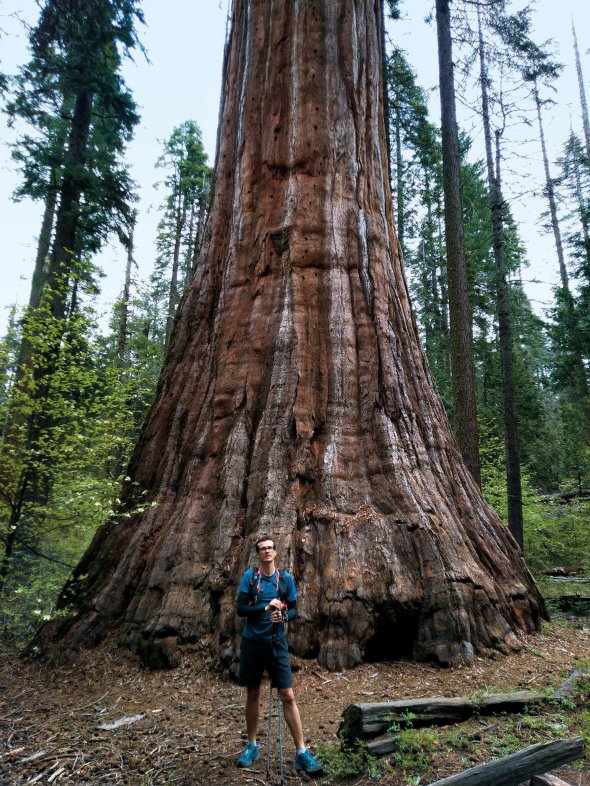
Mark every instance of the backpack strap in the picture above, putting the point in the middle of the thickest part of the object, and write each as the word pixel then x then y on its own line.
pixel 256 581
pixel 254 588
pixel 281 585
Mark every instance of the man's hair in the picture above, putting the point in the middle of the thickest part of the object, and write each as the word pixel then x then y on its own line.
pixel 262 538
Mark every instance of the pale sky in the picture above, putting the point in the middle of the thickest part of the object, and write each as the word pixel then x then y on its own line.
pixel 185 40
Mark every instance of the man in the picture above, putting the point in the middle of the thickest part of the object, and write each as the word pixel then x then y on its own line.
pixel 265 598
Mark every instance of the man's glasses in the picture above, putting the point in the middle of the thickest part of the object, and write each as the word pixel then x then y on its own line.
pixel 266 548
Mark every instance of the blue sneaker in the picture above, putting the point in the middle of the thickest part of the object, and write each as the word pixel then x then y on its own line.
pixel 305 761
pixel 249 755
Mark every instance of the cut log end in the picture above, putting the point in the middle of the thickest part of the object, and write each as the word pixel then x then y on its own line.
pixel 548 780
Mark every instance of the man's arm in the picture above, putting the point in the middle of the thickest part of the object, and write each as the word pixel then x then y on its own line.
pixel 245 610
pixel 291 597
pixel 291 609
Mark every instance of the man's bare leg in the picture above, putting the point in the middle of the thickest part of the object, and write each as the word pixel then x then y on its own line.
pixel 292 717
pixel 252 712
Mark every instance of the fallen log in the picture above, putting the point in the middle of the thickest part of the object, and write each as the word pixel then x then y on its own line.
pixel 566 602
pixel 548 780
pixel 519 767
pixel 565 496
pixel 381 746
pixel 365 721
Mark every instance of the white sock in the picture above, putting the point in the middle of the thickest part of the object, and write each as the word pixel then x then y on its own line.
pixel 301 750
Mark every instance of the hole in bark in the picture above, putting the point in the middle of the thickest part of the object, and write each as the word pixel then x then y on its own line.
pixel 394 637
pixel 319 429
pixel 215 602
pixel 182 421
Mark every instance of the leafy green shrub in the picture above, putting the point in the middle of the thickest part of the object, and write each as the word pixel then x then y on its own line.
pixel 415 749
pixel 342 762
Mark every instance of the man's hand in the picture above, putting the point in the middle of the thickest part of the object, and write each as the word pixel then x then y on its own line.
pixel 276 609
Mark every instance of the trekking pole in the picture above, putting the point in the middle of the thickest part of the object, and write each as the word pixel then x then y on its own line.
pixel 280 717
pixel 268 737
pixel 275 632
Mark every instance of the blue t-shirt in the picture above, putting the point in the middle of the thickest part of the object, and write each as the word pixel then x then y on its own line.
pixel 259 626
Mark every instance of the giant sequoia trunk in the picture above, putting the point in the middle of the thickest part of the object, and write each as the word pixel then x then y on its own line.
pixel 295 397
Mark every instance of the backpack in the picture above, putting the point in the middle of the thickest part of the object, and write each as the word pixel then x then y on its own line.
pixel 256 581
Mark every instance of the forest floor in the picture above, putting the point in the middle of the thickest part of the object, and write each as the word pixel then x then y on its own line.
pixel 187 727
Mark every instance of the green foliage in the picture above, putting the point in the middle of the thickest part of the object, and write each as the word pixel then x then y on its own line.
pixel 339 762
pixel 344 763
pixel 555 531
pixel 69 57
pixel 557 535
pixel 68 414
pixel 61 482
pixel 493 468
pixel 187 181
pixel 415 750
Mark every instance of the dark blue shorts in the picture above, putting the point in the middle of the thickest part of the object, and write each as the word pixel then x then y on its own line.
pixel 258 655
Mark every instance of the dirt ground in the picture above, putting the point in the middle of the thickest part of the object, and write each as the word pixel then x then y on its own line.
pixel 187 726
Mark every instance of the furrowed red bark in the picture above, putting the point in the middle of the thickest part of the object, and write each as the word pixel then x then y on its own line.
pixel 295 397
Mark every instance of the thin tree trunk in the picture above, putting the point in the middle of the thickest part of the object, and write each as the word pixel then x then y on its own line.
pixel 582 207
pixel 37 285
pixel 583 102
pixel 399 186
pixel 58 292
pixel 295 396
pixel 580 386
pixel 463 371
pixel 66 242
pixel 29 483
pixel 173 293
pixel 201 217
pixel 43 246
pixel 47 225
pixel 550 192
pixel 122 336
pixel 191 242
pixel 434 329
pixel 511 442
pixel 386 112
